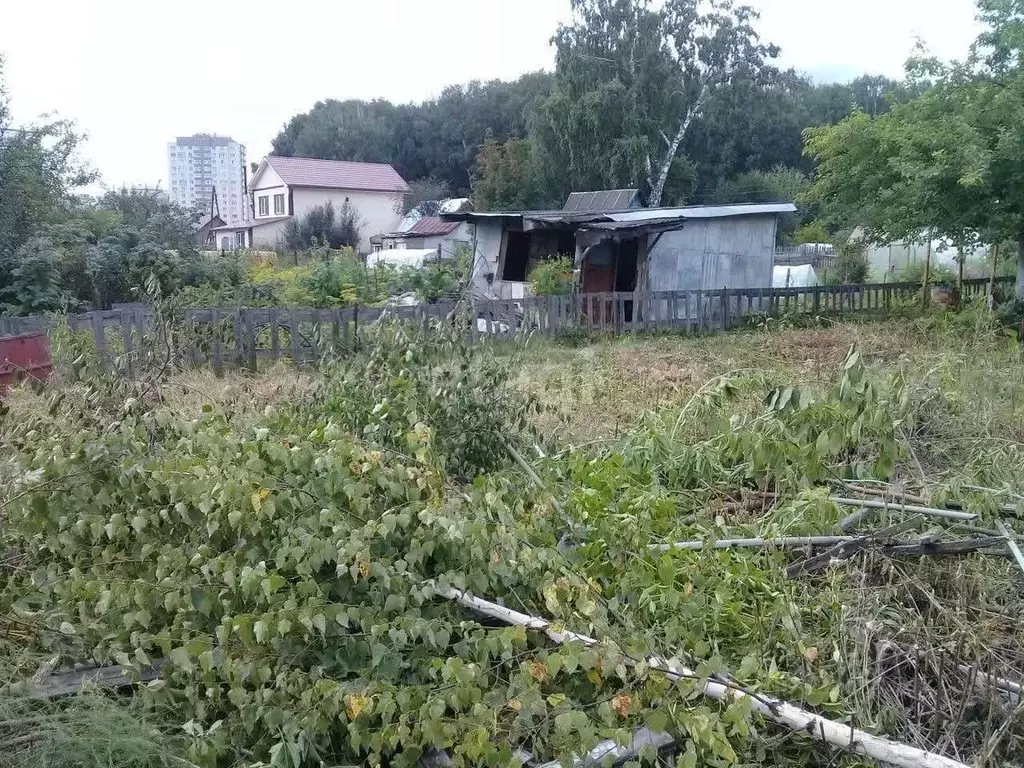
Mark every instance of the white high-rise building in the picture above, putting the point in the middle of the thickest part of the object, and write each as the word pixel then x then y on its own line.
pixel 199 164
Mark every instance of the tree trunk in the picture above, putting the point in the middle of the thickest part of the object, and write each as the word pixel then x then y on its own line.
pixel 960 270
pixel 927 270
pixel 658 184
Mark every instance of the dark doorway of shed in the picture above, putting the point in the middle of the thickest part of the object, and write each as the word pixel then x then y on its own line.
pixel 517 256
pixel 524 250
pixel 612 267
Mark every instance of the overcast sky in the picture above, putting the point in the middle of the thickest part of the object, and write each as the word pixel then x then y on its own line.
pixel 136 73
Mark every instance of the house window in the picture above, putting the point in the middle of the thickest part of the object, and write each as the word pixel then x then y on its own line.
pixel 278 205
pixel 240 239
pixel 264 205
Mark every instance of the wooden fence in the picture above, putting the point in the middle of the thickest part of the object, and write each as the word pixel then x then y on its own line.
pixel 244 336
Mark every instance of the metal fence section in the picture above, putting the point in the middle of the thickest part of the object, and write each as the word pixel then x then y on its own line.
pixel 245 336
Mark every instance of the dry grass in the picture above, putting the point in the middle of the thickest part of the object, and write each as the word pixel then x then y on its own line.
pixel 184 392
pixel 598 390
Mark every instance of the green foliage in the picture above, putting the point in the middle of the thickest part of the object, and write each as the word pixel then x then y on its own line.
pixel 34 286
pixel 40 170
pixel 426 195
pixel 913 272
pixel 438 139
pixel 852 264
pixel 323 226
pixel 279 562
pixel 553 277
pixel 779 185
pixel 506 176
pixel 812 232
pixel 629 74
pixel 942 162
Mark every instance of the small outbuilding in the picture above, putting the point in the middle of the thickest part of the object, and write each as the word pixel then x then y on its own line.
pixel 626 247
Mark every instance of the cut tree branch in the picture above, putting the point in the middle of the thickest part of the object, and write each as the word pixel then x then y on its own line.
pixel 796 719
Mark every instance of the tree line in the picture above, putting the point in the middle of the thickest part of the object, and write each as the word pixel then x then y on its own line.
pixel 682 100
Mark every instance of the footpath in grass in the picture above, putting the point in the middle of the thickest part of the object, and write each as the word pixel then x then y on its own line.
pixel 284 555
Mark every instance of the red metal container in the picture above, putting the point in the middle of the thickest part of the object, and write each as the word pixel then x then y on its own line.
pixel 24 357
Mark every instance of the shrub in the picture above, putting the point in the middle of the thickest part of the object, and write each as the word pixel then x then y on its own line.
pixel 852 264
pixel 553 276
pixel 937 274
pixel 323 224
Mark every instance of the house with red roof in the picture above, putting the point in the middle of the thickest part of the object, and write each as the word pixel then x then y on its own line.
pixel 430 232
pixel 286 188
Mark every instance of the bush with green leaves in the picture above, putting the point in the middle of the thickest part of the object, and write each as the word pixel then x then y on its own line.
pixel 553 277
pixel 937 274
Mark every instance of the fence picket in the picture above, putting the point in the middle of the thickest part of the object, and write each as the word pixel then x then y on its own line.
pixel 215 349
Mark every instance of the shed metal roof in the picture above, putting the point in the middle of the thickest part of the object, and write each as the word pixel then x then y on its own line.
pixel 577 218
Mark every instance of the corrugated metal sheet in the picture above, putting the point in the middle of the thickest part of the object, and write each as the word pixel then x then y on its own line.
pixel 704 211
pixel 432 225
pixel 602 200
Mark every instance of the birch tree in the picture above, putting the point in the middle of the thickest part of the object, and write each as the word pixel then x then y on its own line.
pixel 632 79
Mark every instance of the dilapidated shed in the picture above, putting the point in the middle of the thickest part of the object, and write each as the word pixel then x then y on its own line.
pixel 627 248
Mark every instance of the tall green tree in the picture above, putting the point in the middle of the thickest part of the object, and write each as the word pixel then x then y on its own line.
pixel 632 79
pixel 949 162
pixel 40 170
pixel 507 177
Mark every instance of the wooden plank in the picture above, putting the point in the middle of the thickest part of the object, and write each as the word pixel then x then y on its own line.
pixel 126 339
pixel 99 337
pixel 688 329
pixel 316 332
pixel 215 348
pixel 336 319
pixel 72 683
pixel 250 340
pixel 293 334
pixel 275 333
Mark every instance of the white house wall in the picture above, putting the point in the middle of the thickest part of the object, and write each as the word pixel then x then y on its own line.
pixel 267 184
pixel 268 236
pixel 379 212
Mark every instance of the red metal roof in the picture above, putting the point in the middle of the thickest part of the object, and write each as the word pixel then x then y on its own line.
pixel 432 225
pixel 337 174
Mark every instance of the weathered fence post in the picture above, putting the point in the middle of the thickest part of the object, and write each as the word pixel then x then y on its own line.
pixel 725 308
pixel 250 340
pixel 218 368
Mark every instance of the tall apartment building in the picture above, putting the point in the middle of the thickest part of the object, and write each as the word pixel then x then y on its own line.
pixel 199 164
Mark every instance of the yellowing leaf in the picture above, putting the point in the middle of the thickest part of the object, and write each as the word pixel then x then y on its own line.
pixel 594 676
pixel 811 654
pixel 514 704
pixel 256 500
pixel 364 569
pixel 355 704
pixel 621 704
pixel 538 670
